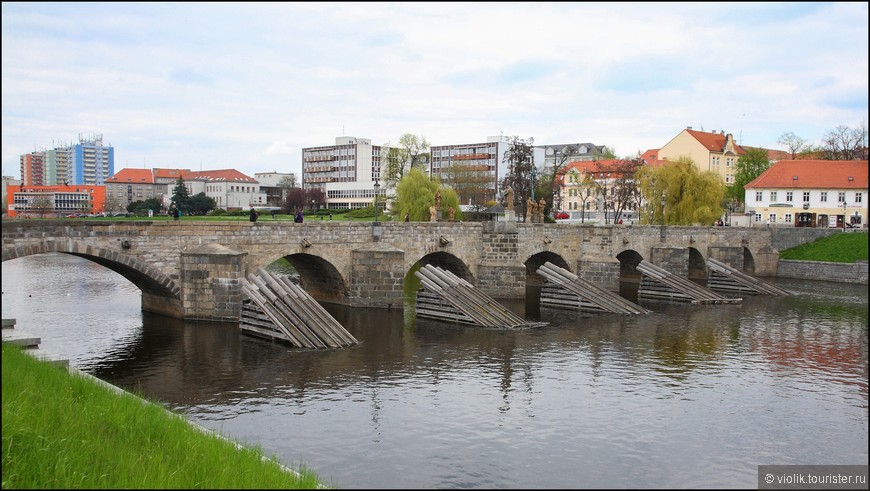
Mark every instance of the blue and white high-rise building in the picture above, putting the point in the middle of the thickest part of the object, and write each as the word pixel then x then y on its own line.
pixel 91 162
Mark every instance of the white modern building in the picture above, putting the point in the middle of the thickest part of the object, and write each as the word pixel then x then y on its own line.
pixel 346 172
pixel 471 167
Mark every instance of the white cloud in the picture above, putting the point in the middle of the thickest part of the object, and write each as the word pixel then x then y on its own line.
pixel 247 85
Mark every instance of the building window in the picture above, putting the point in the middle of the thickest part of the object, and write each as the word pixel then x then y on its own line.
pixel 789 196
pixel 806 196
pixel 824 197
pixel 788 218
pixel 758 218
pixel 859 197
pixel 758 196
pixel 773 196
pixel 771 218
pixel 841 197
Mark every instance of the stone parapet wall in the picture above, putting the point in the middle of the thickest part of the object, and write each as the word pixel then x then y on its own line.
pixel 192 268
pixel 824 271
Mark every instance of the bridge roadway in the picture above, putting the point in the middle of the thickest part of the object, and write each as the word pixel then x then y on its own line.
pixel 193 269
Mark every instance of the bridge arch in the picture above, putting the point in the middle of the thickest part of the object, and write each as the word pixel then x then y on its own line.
pixel 535 261
pixel 149 280
pixel 628 261
pixel 697 265
pixel 319 277
pixel 748 261
pixel 443 260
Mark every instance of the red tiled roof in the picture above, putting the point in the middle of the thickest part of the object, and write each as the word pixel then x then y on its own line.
pixel 227 175
pixel 169 173
pixel 773 155
pixel 714 142
pixel 132 175
pixel 651 158
pixel 815 174
pixel 596 167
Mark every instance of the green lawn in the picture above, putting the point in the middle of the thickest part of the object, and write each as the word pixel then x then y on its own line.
pixel 63 430
pixel 837 248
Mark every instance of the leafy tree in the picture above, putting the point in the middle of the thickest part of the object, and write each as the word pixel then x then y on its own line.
pixel 141 207
pixel 286 184
pixel 415 193
pixel 690 196
pixel 181 196
pixel 608 153
pixel 793 142
pixel 749 166
pixel 200 204
pixel 519 159
pixel 412 151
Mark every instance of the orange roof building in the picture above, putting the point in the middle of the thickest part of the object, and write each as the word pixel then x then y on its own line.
pixel 819 193
pixel 55 201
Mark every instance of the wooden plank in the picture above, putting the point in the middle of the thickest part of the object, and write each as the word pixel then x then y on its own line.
pixel 744 281
pixel 589 296
pixel 675 287
pixel 282 310
pixel 464 300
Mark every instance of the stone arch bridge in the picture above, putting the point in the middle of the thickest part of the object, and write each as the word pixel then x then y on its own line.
pixel 193 269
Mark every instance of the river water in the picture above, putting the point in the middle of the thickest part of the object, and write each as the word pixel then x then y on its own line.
pixel 689 396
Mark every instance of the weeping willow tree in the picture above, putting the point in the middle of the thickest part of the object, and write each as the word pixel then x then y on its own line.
pixel 678 193
pixel 415 193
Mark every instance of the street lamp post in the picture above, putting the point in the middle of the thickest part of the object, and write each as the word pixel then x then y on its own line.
pixel 534 174
pixel 663 208
pixel 844 216
pixel 583 208
pixel 377 187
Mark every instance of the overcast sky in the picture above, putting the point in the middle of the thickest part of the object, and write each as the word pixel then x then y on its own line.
pixel 248 85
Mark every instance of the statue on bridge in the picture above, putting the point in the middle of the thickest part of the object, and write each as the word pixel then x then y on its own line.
pixel 509 198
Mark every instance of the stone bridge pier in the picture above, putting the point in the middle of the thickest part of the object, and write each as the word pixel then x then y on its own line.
pixel 193 269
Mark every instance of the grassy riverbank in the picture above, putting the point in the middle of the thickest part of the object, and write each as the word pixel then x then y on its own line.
pixel 837 248
pixel 67 431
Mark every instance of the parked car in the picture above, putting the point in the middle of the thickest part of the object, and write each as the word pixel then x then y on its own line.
pixel 561 215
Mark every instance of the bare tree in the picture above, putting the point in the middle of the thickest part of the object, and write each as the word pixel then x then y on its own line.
pixel 473 183
pixel 793 142
pixel 42 204
pixel 624 189
pixel 840 142
pixel 860 141
pixel 555 184
pixel 519 159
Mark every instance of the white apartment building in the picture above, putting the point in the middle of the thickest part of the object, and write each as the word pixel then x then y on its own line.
pixel 346 172
pixel 809 193
pixel 472 166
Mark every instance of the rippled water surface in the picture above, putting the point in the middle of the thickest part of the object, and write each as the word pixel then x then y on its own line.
pixel 689 396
